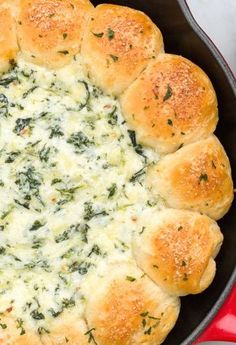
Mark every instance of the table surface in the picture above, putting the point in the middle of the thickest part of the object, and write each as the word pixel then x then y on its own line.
pixel 218 19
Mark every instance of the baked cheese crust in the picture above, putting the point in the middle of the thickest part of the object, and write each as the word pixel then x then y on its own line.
pixel 101 232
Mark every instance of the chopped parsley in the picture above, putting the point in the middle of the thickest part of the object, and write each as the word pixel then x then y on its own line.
pixel 90 212
pixel 64 52
pixel 43 330
pixel 3 325
pixel 55 132
pixel 88 95
pixel 203 177
pixel 99 34
pixel 90 335
pixel 114 57
pixel 29 181
pixel 8 81
pixel 65 35
pixel 113 117
pixel 64 236
pixel 37 315
pixel 95 250
pixel 19 325
pixel 36 225
pixel 67 194
pixel 137 175
pixel 83 230
pixel 21 124
pixel 68 302
pixel 138 148
pixel 80 141
pixel 149 322
pixel 11 156
pixel 28 92
pixel 168 93
pixel 112 190
pixel 44 153
pixel 110 34
pixel 3 105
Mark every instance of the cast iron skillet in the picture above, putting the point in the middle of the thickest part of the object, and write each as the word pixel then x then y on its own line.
pixel 183 36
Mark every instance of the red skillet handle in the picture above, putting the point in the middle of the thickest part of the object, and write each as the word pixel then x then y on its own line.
pixel 223 327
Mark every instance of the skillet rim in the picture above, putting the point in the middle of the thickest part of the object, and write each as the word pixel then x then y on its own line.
pixel 232 82
pixel 209 44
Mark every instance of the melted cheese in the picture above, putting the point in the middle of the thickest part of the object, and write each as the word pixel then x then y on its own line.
pixel 71 190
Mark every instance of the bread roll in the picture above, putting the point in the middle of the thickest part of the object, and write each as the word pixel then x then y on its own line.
pixel 67 328
pixel 8 41
pixel 13 5
pixel 170 104
pixel 118 44
pixel 196 177
pixel 127 308
pixel 14 332
pixel 50 31
pixel 177 251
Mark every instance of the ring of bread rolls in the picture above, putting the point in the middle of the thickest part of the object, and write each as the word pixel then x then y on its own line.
pixel 170 103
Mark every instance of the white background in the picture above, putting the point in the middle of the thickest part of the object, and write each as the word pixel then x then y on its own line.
pixel 218 19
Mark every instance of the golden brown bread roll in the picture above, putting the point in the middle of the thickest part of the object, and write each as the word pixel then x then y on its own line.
pixel 12 4
pixel 67 329
pixel 8 41
pixel 50 31
pixel 13 332
pixel 170 104
pixel 177 250
pixel 196 177
pixel 118 43
pixel 127 308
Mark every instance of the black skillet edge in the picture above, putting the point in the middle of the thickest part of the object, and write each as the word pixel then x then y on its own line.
pixel 208 42
pixel 232 81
